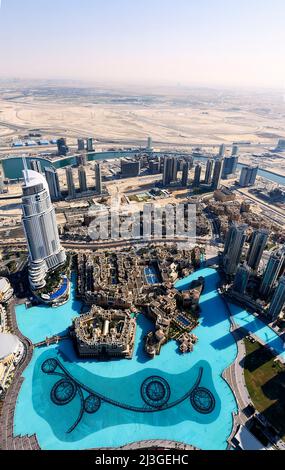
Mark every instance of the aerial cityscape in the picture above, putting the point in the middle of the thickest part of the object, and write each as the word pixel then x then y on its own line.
pixel 142 261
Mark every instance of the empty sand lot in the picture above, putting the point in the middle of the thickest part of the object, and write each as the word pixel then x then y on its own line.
pixel 115 118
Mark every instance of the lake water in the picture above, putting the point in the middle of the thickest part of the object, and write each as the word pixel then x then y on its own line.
pixel 200 415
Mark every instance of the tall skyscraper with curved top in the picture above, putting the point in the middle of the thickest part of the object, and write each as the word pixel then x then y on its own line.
pixel 39 221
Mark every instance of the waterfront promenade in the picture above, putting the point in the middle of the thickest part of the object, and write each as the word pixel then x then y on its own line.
pixel 7 439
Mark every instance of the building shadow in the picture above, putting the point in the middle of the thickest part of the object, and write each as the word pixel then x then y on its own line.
pixel 256 359
pixel 274 390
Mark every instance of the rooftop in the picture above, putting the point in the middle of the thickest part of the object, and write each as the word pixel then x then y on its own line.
pixel 8 345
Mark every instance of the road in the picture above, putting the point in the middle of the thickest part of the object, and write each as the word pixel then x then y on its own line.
pixel 111 243
pixel 278 212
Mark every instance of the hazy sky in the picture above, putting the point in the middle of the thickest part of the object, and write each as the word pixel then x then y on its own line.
pixel 201 42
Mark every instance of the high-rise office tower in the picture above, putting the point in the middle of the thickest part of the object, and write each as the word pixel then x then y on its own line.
pixel 174 168
pixel 82 179
pixel 39 222
pixel 166 178
pixel 217 175
pixel 248 176
pixel 81 160
pixel 257 246
pixel 70 182
pixel 185 173
pixel 89 145
pixel 222 150
pixel 230 166
pixel 62 147
pixel 197 176
pixel 53 183
pixel 234 242
pixel 278 300
pixel 130 168
pixel 271 273
pixel 241 279
pixel 190 160
pixel 169 170
pixel 36 165
pixel 149 143
pixel 235 150
pixel 80 144
pixel 98 178
pixel 209 171
pixel 154 166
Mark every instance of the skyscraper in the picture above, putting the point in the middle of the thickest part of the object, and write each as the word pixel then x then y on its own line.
pixel 89 145
pixel 257 246
pixel 98 178
pixel 241 279
pixel 62 147
pixel 53 183
pixel 230 166
pixel 197 176
pixel 222 150
pixel 154 166
pixel 149 144
pixel 174 168
pixel 248 176
pixel 278 300
pixel 70 182
pixel 185 172
pixel 217 175
pixel 170 170
pixel 80 144
pixel 234 242
pixel 82 179
pixel 271 273
pixel 130 168
pixel 36 165
pixel 39 222
pixel 235 150
pixel 167 165
pixel 209 171
pixel 81 159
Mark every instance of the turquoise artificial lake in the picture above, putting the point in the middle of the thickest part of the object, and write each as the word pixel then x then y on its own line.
pixel 124 382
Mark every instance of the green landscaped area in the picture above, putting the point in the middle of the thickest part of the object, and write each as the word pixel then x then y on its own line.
pixel 265 380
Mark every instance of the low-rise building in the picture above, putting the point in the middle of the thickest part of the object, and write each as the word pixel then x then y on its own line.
pixel 11 352
pixel 102 333
pixel 224 194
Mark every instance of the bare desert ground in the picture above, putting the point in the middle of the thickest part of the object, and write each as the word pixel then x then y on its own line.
pixel 182 118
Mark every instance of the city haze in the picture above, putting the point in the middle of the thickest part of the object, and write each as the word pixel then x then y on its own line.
pixel 208 43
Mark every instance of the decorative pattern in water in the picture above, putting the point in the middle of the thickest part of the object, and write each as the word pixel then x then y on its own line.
pixel 155 393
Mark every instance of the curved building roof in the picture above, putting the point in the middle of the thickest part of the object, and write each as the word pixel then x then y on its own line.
pixel 33 178
pixel 8 344
pixel 4 284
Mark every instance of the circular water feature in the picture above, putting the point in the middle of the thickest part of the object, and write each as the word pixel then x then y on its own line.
pixel 202 400
pixel 155 391
pixel 92 404
pixel 63 392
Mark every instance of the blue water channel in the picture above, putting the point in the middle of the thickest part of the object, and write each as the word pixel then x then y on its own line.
pixel 13 166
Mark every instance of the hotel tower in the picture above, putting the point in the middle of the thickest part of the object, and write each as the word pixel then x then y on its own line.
pixel 39 221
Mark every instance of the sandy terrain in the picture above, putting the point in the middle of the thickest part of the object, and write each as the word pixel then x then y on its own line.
pixel 187 118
